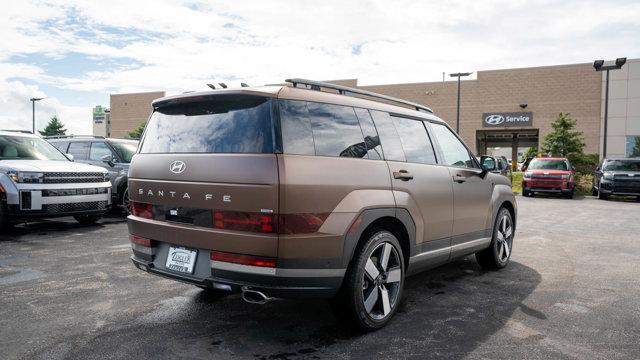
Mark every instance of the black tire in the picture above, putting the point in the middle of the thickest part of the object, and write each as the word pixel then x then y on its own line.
pixel 4 220
pixel 496 256
pixel 87 219
pixel 602 196
pixel 124 200
pixel 526 193
pixel 359 286
pixel 569 195
pixel 638 198
pixel 594 191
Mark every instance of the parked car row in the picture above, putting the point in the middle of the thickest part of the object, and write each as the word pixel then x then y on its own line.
pixel 619 177
pixel 38 180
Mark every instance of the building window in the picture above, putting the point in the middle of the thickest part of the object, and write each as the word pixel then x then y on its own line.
pixel 633 146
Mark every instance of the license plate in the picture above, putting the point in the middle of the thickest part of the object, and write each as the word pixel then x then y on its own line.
pixel 181 260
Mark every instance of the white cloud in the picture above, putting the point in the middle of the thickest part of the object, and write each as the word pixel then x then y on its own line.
pixel 16 110
pixel 181 45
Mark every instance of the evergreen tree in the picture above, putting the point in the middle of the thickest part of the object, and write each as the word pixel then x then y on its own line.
pixel 564 140
pixel 137 132
pixel 54 127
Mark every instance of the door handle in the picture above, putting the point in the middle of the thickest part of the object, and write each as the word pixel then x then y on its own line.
pixel 459 178
pixel 403 175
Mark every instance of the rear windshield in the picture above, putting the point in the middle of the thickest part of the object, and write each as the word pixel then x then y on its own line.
pixel 548 165
pixel 222 124
pixel 622 165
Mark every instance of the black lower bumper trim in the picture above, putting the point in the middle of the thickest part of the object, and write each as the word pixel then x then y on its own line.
pixel 287 287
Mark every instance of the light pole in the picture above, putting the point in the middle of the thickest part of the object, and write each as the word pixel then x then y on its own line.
pixel 33 112
pixel 458 75
pixel 600 66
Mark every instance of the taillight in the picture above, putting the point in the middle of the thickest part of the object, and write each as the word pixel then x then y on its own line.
pixel 243 259
pixel 141 241
pixel 244 221
pixel 300 223
pixel 142 210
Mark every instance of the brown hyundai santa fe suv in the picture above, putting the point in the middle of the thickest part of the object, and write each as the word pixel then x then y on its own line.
pixel 310 190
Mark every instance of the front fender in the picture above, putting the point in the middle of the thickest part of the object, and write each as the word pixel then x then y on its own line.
pixel 10 189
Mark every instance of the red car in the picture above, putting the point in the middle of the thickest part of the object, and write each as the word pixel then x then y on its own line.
pixel 552 175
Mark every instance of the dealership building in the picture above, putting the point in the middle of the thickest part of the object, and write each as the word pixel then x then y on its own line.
pixel 502 112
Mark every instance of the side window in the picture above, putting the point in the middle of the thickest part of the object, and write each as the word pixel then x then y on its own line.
pixel 415 141
pixel 79 150
pixel 453 151
pixel 336 130
pixel 296 128
pixel 389 138
pixel 371 138
pixel 98 150
pixel 61 145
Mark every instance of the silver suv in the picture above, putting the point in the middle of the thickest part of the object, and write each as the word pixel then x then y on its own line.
pixel 37 180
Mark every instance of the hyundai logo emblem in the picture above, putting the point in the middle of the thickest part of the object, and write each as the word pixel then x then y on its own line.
pixel 177 167
pixel 494 119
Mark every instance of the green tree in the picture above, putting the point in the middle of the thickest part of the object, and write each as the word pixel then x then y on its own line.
pixel 137 132
pixel 54 127
pixel 530 152
pixel 564 140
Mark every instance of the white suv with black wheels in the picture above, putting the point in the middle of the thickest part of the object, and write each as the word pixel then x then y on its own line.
pixel 37 180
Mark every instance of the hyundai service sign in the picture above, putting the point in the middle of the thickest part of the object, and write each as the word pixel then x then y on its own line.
pixel 507 119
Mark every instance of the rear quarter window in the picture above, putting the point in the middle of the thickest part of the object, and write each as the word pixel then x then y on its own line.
pixel 310 128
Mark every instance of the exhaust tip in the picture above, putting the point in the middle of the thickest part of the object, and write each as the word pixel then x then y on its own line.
pixel 254 296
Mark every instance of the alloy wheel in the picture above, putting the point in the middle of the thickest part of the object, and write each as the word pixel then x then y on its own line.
pixel 504 238
pixel 382 280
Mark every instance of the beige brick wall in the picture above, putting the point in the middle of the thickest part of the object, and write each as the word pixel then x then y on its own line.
pixel 546 90
pixel 128 111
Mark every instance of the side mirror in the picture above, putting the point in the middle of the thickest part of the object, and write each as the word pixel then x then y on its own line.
pixel 573 168
pixel 108 159
pixel 69 156
pixel 488 163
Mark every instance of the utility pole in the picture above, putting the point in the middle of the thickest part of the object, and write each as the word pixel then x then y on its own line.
pixel 600 66
pixel 33 112
pixel 458 75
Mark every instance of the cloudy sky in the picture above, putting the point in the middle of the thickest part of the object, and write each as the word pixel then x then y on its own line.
pixel 76 53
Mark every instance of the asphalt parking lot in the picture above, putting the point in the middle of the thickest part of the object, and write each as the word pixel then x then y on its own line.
pixel 572 290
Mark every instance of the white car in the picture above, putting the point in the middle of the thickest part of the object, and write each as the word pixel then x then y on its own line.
pixel 37 180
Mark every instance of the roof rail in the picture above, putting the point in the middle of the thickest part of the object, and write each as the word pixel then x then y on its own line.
pixel 74 136
pixel 343 90
pixel 18 131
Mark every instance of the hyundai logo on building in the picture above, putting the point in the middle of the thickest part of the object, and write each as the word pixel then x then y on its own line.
pixel 507 119
pixel 494 119
pixel 177 167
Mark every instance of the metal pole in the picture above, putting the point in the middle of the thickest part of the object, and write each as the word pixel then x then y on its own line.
pixel 33 114
pixel 606 115
pixel 458 108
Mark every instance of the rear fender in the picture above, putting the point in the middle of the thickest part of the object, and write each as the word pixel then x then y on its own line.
pixel 366 218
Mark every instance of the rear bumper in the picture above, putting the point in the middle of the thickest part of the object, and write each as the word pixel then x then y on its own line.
pixel 278 285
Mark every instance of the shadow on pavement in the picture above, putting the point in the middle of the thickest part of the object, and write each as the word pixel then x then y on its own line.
pixel 445 313
pixel 56 225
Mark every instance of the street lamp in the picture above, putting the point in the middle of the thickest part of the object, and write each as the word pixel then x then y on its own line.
pixel 600 66
pixel 458 75
pixel 33 111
